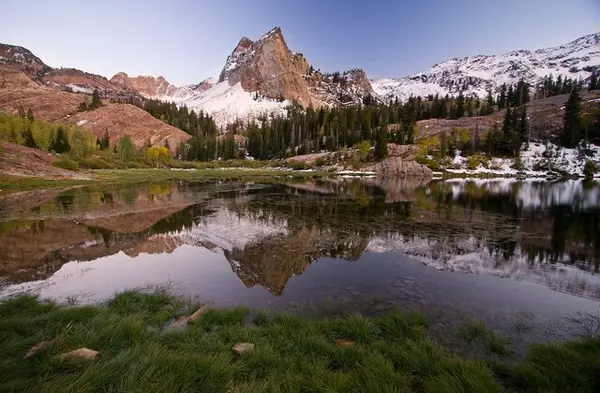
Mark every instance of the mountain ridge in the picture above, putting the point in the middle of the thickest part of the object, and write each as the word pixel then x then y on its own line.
pixel 477 75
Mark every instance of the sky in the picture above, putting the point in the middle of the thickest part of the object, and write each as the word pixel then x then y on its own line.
pixel 187 41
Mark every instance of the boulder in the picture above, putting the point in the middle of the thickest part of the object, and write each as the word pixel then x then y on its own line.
pixel 80 354
pixel 39 347
pixel 344 342
pixel 398 167
pixel 198 314
pixel 242 348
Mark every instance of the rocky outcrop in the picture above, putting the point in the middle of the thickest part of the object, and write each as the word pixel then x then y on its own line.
pixel 268 67
pixel 147 86
pixel 23 60
pixel 396 166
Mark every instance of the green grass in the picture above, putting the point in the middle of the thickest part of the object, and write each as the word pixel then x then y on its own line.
pixel 392 353
pixel 475 331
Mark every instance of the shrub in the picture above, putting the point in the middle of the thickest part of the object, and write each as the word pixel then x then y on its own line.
pixel 95 163
pixel 518 164
pixel 297 165
pixel 65 163
pixel 590 169
pixel 475 160
pixel 320 161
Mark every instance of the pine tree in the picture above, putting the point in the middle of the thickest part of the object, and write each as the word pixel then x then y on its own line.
pixel 28 139
pixel 61 141
pixel 502 98
pixel 105 141
pixel 460 106
pixel 30 116
pixel 523 124
pixel 381 142
pixel 594 85
pixel 572 121
pixel 96 102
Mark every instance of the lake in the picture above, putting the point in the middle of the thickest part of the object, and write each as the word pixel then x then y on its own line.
pixel 504 251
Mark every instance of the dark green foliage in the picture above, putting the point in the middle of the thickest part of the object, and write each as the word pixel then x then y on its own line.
pixel 65 163
pixel 30 116
pixel 594 84
pixel 61 142
pixel 590 169
pixel 28 139
pixel 569 367
pixel 381 141
pixel 104 142
pixel 502 97
pixel 572 121
pixel 96 102
pixel 549 87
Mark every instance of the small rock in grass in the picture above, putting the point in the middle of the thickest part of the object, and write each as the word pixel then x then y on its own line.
pixel 179 322
pixel 242 348
pixel 198 314
pixel 344 342
pixel 39 347
pixel 80 354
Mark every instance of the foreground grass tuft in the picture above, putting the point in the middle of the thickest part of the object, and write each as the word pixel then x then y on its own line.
pixel 393 353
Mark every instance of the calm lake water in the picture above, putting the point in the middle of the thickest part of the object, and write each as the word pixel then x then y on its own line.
pixel 499 250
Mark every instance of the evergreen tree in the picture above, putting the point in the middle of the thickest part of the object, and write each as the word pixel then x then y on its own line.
pixel 502 98
pixel 594 85
pixel 61 141
pixel 572 121
pixel 21 112
pixel 523 124
pixel 105 141
pixel 96 102
pixel 460 106
pixel 28 139
pixel 30 116
pixel 381 142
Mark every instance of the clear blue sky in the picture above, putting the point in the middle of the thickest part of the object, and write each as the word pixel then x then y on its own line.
pixel 187 41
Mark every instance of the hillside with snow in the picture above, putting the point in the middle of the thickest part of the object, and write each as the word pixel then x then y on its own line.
pixel 476 75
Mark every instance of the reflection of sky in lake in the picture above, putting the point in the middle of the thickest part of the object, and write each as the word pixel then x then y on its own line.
pixel 524 246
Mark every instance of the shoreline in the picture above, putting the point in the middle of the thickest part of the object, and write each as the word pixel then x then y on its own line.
pixel 129 176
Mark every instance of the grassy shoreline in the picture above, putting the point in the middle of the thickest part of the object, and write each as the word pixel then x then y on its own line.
pixel 352 353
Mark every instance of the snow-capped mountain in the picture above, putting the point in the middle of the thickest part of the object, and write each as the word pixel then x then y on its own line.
pixel 476 75
pixel 259 77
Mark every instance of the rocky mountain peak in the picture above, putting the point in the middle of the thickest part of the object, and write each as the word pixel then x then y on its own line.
pixel 267 67
pixel 147 86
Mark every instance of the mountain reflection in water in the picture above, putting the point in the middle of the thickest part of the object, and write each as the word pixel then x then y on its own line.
pixel 541 232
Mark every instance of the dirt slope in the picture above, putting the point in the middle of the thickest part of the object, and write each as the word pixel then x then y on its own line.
pixel 125 119
pixel 18 89
pixel 16 160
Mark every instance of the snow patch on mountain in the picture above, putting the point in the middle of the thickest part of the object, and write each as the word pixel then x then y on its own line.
pixel 476 75
pixel 226 103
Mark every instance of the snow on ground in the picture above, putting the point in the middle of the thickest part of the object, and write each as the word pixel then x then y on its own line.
pixel 226 103
pixel 79 89
pixel 82 122
pixel 536 159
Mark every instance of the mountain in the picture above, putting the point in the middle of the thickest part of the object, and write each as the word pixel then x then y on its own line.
pixel 477 75
pixel 55 94
pixel 259 77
